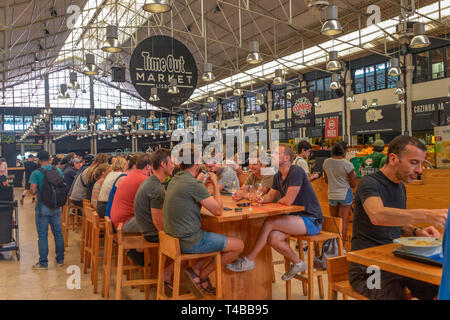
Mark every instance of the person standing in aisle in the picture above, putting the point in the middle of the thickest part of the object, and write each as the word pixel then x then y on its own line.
pixel 30 165
pixel 303 152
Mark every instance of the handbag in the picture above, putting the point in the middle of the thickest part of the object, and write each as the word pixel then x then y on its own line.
pixel 330 249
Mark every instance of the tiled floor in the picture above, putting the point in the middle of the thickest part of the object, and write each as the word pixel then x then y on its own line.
pixel 19 281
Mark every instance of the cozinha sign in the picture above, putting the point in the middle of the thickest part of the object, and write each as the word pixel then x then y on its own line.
pixel 155 62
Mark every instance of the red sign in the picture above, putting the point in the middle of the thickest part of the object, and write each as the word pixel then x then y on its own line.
pixel 332 128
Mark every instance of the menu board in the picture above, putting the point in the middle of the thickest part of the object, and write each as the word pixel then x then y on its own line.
pixel 442 145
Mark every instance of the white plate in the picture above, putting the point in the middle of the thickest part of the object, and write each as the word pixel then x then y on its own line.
pixel 420 245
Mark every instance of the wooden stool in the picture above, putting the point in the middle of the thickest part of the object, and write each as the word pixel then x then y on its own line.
pixel 337 269
pixel 88 250
pixel 110 252
pixel 133 242
pixel 170 247
pixel 86 204
pixel 76 221
pixel 331 229
pixel 98 228
pixel 65 224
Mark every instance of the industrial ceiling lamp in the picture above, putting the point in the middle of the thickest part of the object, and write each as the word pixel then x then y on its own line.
pixel 73 82
pixel 98 119
pixel 364 105
pixel 279 78
pixel 173 88
pixel 259 99
pixel 254 57
pixel 351 97
pixel 157 6
pixel 153 95
pixel 111 44
pixel 236 116
pixel 333 63
pixel 331 26
pixel 63 94
pixel 401 100
pixel 152 115
pixel 237 89
pixel 289 92
pixel 317 102
pixel 335 83
pixel 90 68
pixel 173 120
pixel 395 70
pixel 211 98
pixel 208 75
pixel 277 118
pixel 420 39
pixel 108 115
pixel 399 89
pixel 118 111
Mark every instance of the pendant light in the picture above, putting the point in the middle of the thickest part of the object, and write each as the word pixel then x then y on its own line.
pixel 399 89
pixel 364 105
pixel 279 79
pixel 157 6
pixel 331 26
pixel 207 75
pixel 335 83
pixel 254 57
pixel 259 99
pixel 211 97
pixel 173 120
pixel 152 115
pixel 420 39
pixel 236 117
pixel 73 82
pixel 333 63
pixel 395 70
pixel 173 88
pixel 118 111
pixel 317 102
pixel 401 100
pixel 237 89
pixel 90 67
pixel 63 94
pixel 288 92
pixel 153 95
pixel 277 118
pixel 351 97
pixel 111 44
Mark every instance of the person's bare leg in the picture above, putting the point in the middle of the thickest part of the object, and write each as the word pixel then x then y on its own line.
pixel 344 213
pixel 334 211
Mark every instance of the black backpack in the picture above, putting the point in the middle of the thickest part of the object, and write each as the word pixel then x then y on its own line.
pixel 54 190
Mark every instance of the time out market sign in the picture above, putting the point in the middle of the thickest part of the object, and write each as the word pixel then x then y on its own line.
pixel 302 110
pixel 155 62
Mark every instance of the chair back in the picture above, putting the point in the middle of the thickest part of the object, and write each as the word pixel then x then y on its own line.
pixel 332 224
pixel 337 269
pixel 168 245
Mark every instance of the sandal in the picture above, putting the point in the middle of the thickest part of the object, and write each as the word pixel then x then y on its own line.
pixel 209 289
pixel 168 288
pixel 190 276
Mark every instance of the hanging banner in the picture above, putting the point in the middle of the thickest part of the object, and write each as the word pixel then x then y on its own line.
pixel 302 111
pixel 332 128
pixel 157 60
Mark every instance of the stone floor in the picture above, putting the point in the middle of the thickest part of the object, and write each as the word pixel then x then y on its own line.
pixel 19 281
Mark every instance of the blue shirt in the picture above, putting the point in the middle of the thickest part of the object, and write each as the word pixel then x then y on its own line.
pixel 444 289
pixel 37 177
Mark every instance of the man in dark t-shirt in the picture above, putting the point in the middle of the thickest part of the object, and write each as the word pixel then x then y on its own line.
pixel 292 187
pixel 381 216
pixel 30 165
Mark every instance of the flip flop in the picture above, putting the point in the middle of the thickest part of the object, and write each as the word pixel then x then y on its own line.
pixel 209 289
pixel 190 276
pixel 168 288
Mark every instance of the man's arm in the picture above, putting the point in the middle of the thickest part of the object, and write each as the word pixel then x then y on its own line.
pixel 157 218
pixel 214 203
pixel 270 196
pixel 380 215
pixel 33 188
pixel 290 196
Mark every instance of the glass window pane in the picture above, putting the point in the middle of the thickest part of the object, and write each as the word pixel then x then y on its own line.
pixel 328 93
pixel 8 123
pixel 370 78
pixel 447 63
pixel 422 73
pixel 358 80
pixel 27 120
pixel 380 72
pixel 437 64
pixel 18 123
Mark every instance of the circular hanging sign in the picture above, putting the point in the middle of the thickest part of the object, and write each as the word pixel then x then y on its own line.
pixel 156 61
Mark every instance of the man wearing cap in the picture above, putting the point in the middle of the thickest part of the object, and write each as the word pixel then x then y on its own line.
pixel 374 160
pixel 71 172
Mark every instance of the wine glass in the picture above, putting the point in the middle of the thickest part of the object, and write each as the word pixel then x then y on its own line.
pixel 259 192
pixel 251 193
pixel 233 187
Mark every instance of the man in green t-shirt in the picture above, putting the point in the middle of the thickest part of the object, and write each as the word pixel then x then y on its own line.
pixel 182 219
pixel 374 160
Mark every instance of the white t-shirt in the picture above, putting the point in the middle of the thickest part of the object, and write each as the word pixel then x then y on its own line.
pixel 337 171
pixel 299 161
pixel 107 185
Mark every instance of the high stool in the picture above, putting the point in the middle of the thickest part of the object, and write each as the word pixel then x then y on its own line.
pixel 133 242
pixel 170 247
pixel 86 204
pixel 331 229
pixel 88 250
pixel 98 228
pixel 337 269
pixel 76 221
pixel 65 224
pixel 110 252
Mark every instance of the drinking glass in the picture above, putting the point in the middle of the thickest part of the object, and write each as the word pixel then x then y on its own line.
pixel 234 187
pixel 251 193
pixel 259 192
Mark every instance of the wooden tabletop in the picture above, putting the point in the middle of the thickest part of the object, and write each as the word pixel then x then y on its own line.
pixel 267 209
pixel 383 257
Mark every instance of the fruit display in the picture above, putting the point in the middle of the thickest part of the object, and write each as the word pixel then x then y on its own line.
pixel 369 150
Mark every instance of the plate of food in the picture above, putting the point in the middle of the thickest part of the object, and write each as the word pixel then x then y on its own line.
pixel 426 246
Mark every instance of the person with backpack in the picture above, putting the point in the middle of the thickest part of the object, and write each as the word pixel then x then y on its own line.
pixel 47 183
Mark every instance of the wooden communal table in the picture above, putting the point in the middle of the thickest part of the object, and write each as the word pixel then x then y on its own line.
pixel 245 225
pixel 383 257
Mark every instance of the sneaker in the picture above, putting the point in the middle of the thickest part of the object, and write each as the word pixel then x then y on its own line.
pixel 59 264
pixel 39 266
pixel 21 201
pixel 136 257
pixel 293 271
pixel 241 264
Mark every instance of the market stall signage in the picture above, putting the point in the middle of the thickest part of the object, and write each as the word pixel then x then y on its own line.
pixel 429 113
pixel 332 127
pixel 155 62
pixel 376 120
pixel 302 111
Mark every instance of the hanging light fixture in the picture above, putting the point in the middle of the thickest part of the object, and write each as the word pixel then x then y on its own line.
pixel 73 82
pixel 395 70
pixel 254 57
pixel 118 111
pixel 173 120
pixel 401 100
pixel 259 99
pixel 237 89
pixel 153 95
pixel 90 68
pixel 333 63
pixel 364 105
pixel 138 119
pixel 98 119
pixel 335 83
pixel 173 88
pixel 236 117
pixel 399 89
pixel 161 122
pixel 279 79
pixel 108 115
pixel 317 102
pixel 211 97
pixel 152 115
pixel 157 6
pixel 374 103
pixel 420 39
pixel 63 94
pixel 111 44
pixel 288 92
pixel 351 97
pixel 189 116
pixel 208 75
pixel 331 26
pixel 277 118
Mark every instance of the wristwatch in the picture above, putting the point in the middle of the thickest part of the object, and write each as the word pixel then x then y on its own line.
pixel 414 231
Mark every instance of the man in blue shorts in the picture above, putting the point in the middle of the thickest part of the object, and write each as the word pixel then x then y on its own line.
pixel 292 187
pixel 182 219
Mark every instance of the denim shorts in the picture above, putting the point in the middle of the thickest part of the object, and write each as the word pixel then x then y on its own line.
pixel 311 227
pixel 210 242
pixel 346 202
